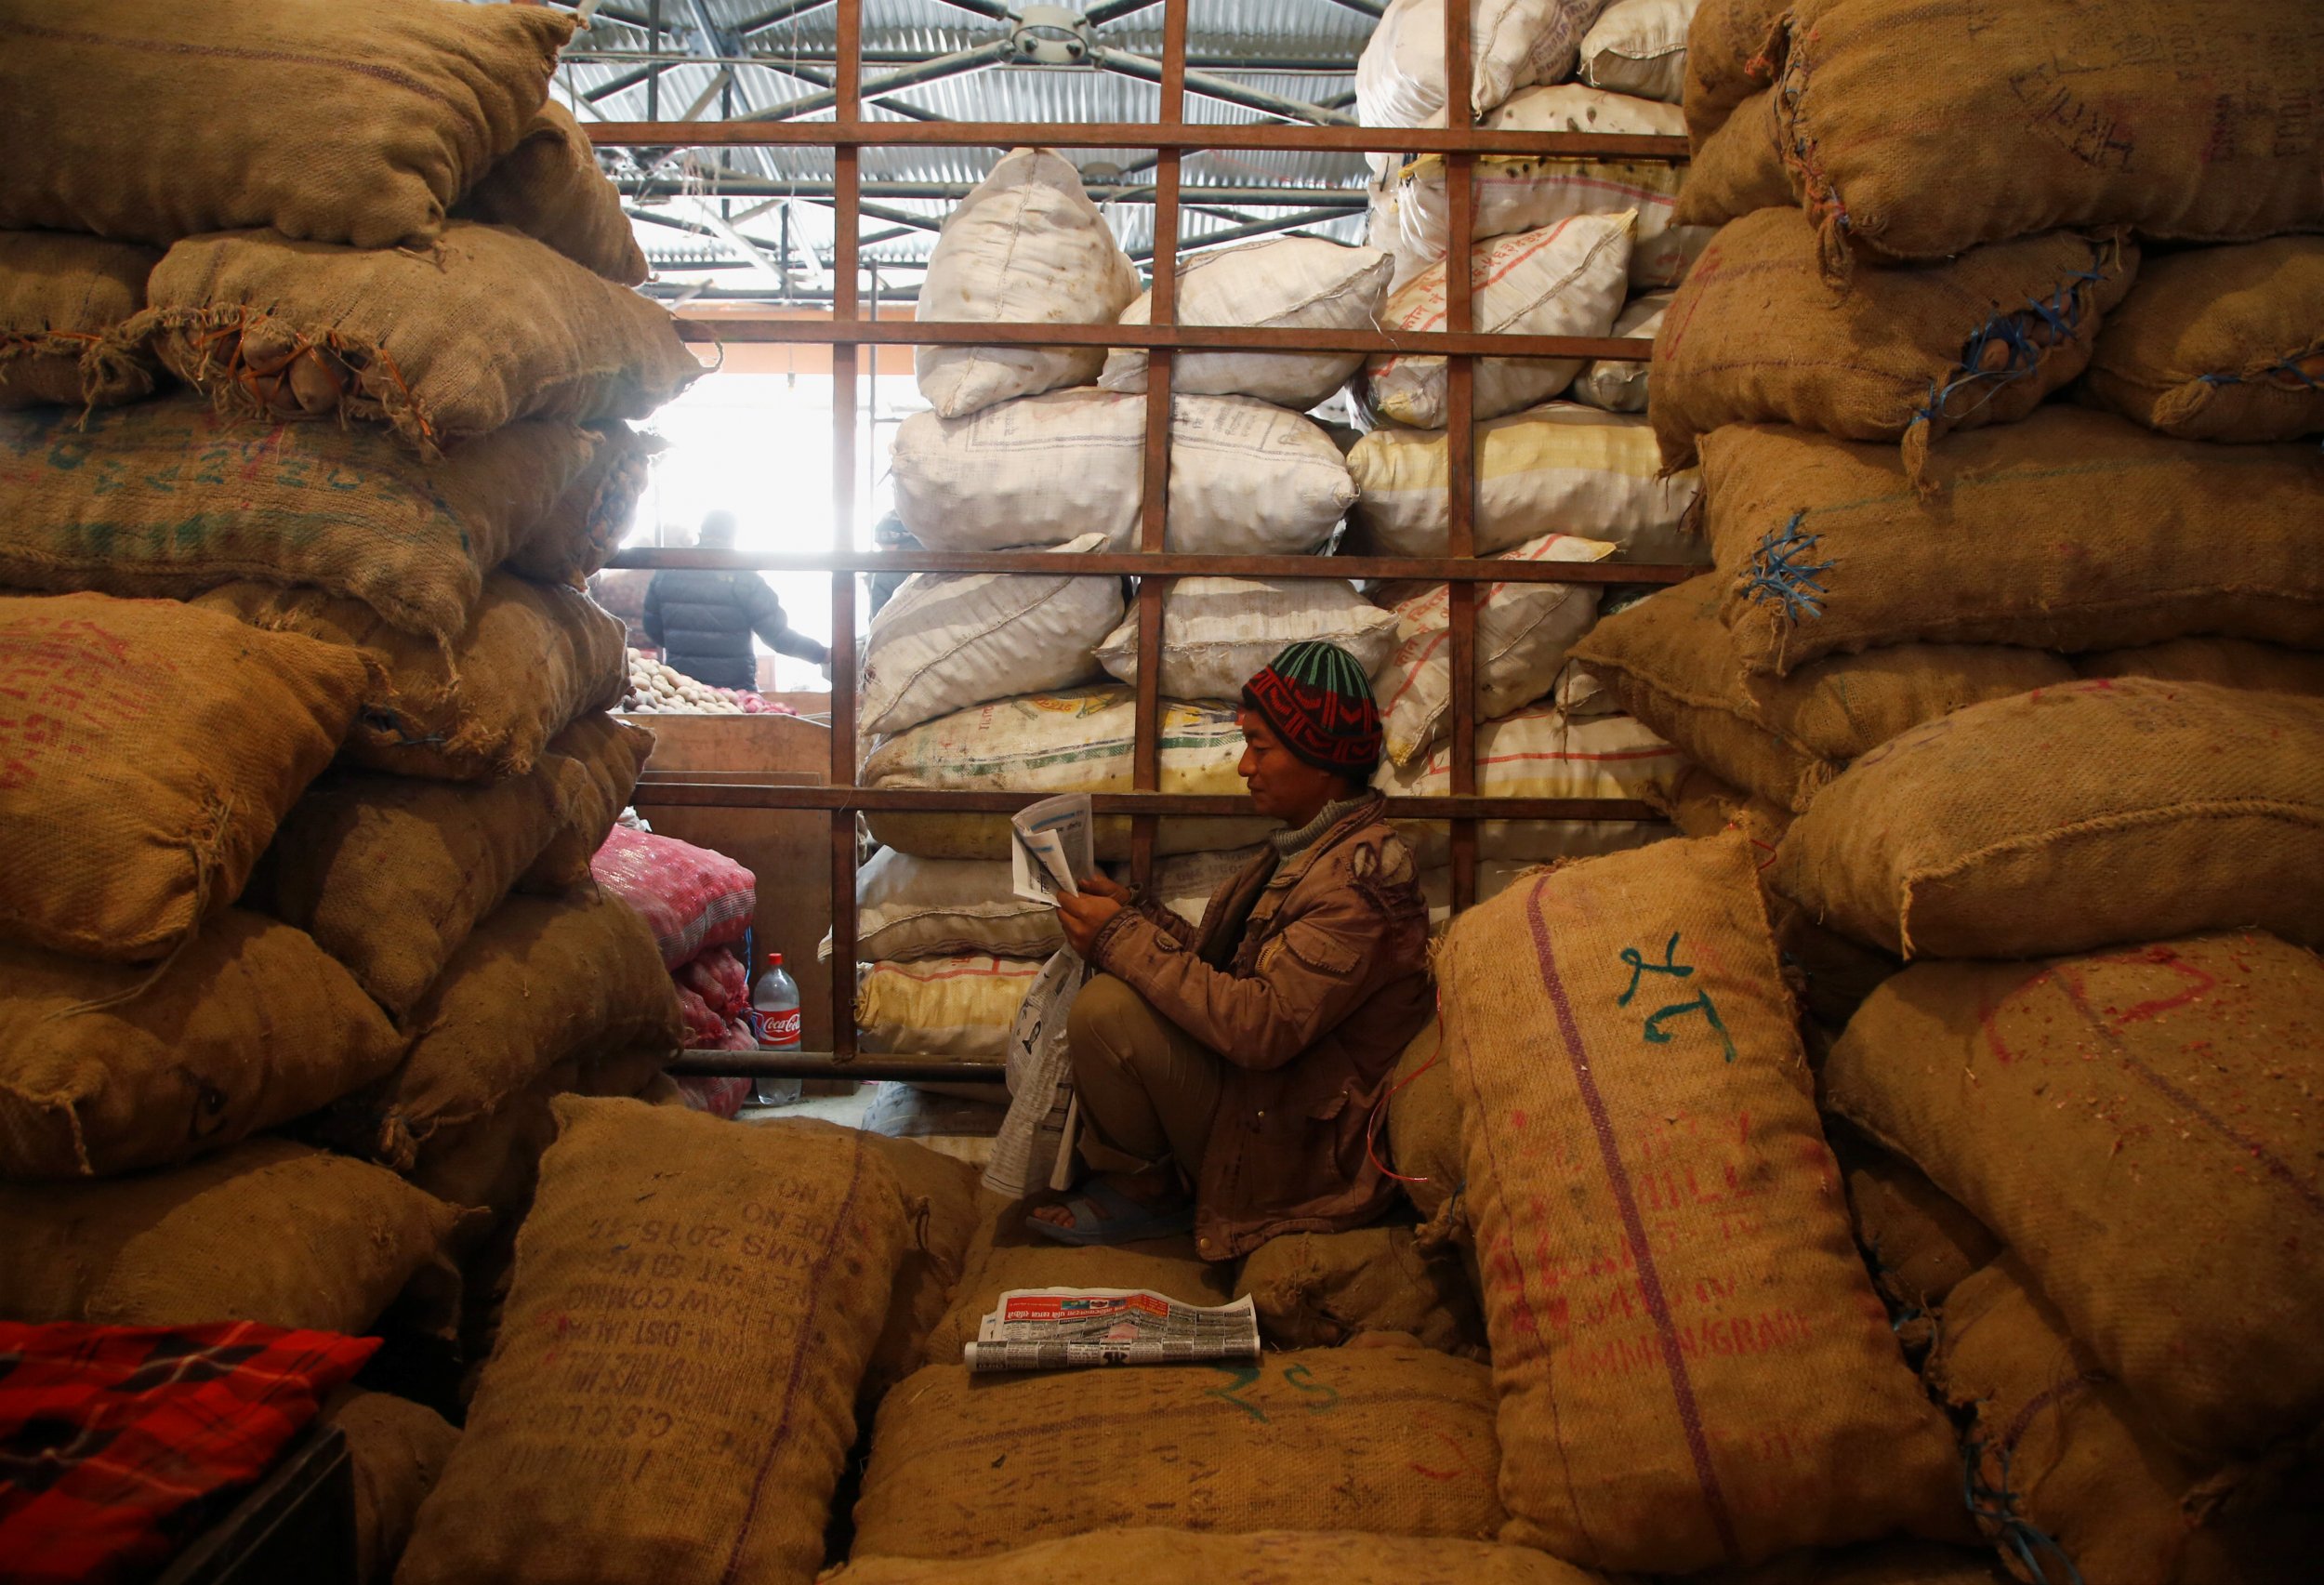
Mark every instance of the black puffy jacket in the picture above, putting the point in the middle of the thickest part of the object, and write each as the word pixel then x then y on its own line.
pixel 703 621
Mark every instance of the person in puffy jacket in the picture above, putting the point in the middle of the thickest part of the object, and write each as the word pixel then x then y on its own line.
pixel 703 620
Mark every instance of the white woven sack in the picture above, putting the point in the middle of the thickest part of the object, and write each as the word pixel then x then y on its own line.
pixel 1294 282
pixel 1025 245
pixel 1513 44
pixel 908 908
pixel 960 1006
pixel 1620 384
pixel 1523 633
pixel 1639 47
pixel 1245 476
pixel 1384 230
pixel 1568 278
pixel 1593 474
pixel 1078 740
pixel 1537 752
pixel 1516 194
pixel 947 641
pixel 1217 632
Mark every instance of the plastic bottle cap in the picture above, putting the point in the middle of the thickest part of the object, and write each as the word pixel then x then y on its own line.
pixel 774 960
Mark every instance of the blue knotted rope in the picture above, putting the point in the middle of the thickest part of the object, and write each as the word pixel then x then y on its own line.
pixel 1995 1509
pixel 1777 575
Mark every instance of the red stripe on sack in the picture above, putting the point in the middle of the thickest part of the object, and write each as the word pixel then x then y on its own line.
pixel 1634 1228
pixel 2267 1159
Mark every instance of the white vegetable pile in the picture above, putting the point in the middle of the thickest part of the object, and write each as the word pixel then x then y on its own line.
pixel 655 689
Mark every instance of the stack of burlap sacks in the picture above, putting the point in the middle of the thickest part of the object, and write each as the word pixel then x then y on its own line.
pixel 988 682
pixel 2009 664
pixel 307 741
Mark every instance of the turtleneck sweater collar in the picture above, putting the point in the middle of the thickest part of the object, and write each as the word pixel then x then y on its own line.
pixel 1289 844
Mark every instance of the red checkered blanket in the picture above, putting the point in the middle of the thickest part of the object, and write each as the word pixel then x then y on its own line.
pixel 113 1439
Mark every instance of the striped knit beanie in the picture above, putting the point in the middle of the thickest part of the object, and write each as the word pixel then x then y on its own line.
pixel 1320 703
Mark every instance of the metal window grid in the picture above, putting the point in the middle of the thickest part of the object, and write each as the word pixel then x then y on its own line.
pixel 847 329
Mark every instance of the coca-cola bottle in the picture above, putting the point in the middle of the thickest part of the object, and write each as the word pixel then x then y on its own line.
pixel 775 1025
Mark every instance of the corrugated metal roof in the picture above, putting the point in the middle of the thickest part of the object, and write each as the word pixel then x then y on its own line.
pixel 619 69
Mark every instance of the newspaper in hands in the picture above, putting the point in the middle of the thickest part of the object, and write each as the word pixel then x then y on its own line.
pixel 1052 844
pixel 1060 1329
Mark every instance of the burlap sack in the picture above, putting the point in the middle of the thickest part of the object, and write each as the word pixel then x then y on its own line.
pixel 62 301
pixel 2136 1126
pixel 270 1231
pixel 581 532
pixel 2063 1466
pixel 2070 818
pixel 1918 1241
pixel 481 328
pixel 1424 1124
pixel 397 1448
pixel 1828 547
pixel 1005 1255
pixel 389 875
pixel 1693 1366
pixel 1672 664
pixel 1754 336
pixel 2169 115
pixel 148 751
pixel 550 187
pixel 940 1207
pixel 106 1068
pixel 2220 344
pixel 1329 1439
pixel 1319 1289
pixel 597 761
pixel 1733 48
pixel 529 660
pixel 1736 170
pixel 1267 1557
pixel 673 1396
pixel 540 980
pixel 2225 663
pixel 137 500
pixel 129 118
pixel 492 1162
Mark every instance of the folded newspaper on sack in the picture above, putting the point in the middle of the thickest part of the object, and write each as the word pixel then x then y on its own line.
pixel 1053 847
pixel 1060 1329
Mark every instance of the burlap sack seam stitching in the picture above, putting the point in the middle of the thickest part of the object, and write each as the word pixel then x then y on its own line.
pixel 2128 820
pixel 777 1443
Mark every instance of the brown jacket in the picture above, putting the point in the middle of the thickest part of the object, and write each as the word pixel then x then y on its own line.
pixel 1309 980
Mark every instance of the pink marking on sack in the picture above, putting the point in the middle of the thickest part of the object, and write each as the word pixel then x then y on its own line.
pixel 1634 1229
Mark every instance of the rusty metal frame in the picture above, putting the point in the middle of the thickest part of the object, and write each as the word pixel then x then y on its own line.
pixel 847 330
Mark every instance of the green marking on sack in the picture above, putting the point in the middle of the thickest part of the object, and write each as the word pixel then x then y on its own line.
pixel 1654 1032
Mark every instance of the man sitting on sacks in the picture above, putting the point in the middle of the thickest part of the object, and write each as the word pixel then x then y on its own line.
pixel 1241 1059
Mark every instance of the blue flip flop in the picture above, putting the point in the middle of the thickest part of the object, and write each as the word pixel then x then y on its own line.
pixel 1124 1220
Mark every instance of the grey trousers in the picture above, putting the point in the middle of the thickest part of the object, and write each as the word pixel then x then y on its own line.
pixel 1149 1090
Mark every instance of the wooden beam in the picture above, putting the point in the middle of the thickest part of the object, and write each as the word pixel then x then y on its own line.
pixel 676 791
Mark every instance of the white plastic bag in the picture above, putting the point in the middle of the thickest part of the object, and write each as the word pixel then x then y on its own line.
pixel 1244 476
pixel 1305 282
pixel 1036 1140
pixel 1538 752
pixel 945 640
pixel 908 908
pixel 1569 278
pixel 1025 245
pixel 1216 632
